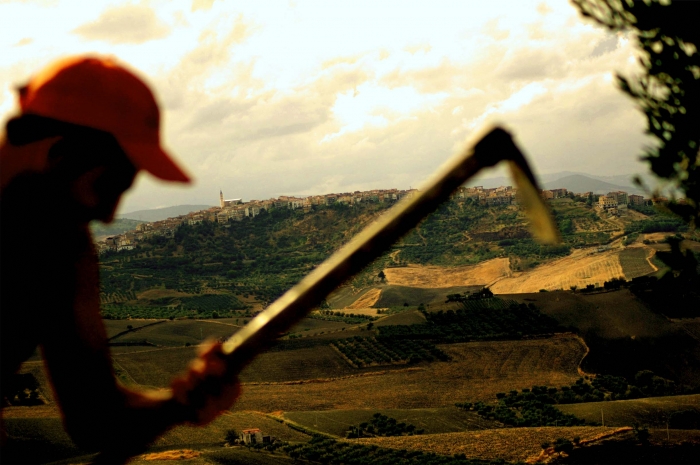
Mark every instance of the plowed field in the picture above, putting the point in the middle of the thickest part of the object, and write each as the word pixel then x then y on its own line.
pixel 436 277
pixel 368 299
pixel 579 269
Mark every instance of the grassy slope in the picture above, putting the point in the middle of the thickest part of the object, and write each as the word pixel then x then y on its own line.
pixel 514 444
pixel 396 296
pixel 652 412
pixel 623 335
pixel 433 421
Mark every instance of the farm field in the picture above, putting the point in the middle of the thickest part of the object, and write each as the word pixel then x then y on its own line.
pixel 288 380
pixel 177 333
pixel 433 421
pixel 477 371
pixel 432 277
pixel 582 267
pixel 409 317
pixel 512 444
pixel 397 296
pixel 156 367
pixel 115 327
pixel 652 412
pixel 635 262
pixel 368 299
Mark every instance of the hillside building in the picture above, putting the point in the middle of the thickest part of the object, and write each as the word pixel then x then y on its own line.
pixel 620 197
pixel 607 202
pixel 635 199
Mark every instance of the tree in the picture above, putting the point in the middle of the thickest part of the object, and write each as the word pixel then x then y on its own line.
pixel 231 436
pixel 668 92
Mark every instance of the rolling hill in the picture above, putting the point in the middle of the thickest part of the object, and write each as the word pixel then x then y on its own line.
pixel 158 214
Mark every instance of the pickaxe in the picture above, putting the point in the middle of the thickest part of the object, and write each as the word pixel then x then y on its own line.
pixel 488 150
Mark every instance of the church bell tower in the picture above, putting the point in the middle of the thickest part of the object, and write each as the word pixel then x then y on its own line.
pixel 221 199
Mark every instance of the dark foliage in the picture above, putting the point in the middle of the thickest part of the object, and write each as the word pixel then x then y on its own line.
pixel 668 92
pixel 479 319
pixel 381 425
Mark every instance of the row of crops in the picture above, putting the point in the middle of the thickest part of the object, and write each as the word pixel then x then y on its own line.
pixel 321 449
pixel 370 351
pixel 478 319
pixel 197 306
pixel 527 415
pixel 108 298
pixel 349 318
pixel 207 303
pixel 125 312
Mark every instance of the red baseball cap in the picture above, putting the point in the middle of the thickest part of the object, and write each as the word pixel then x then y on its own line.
pixel 100 93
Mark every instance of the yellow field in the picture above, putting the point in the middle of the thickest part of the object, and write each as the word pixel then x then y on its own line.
pixel 482 274
pixel 512 444
pixel 367 300
pixel 582 267
pixel 359 311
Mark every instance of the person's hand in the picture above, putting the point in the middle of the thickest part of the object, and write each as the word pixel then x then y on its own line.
pixel 209 387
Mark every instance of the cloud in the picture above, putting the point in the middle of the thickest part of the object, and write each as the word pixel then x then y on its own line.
pixel 606 45
pixel 204 5
pixel 532 65
pixel 335 128
pixel 24 41
pixel 127 24
pixel 413 49
pixel 544 9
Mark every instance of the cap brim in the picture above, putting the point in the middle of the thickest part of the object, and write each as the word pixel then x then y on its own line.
pixel 154 160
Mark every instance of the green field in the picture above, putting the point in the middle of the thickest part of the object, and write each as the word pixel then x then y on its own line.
pixel 652 412
pixel 433 421
pixel 634 263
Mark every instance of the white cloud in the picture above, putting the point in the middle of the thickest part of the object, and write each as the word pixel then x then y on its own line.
pixel 268 98
pixel 126 24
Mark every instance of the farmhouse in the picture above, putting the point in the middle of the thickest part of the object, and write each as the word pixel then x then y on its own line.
pixel 254 436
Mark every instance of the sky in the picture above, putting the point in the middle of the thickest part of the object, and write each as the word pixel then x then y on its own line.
pixel 261 99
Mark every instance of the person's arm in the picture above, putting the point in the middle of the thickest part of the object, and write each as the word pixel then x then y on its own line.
pixel 99 413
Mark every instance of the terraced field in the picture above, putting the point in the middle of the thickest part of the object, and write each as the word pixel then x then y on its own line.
pixel 635 261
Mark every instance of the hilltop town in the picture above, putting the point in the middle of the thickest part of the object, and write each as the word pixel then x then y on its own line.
pixel 237 209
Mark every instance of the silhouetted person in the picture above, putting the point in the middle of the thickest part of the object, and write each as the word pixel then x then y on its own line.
pixel 86 127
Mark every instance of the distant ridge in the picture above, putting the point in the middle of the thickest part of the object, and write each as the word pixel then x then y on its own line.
pixel 575 182
pixel 158 214
pixel 580 183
